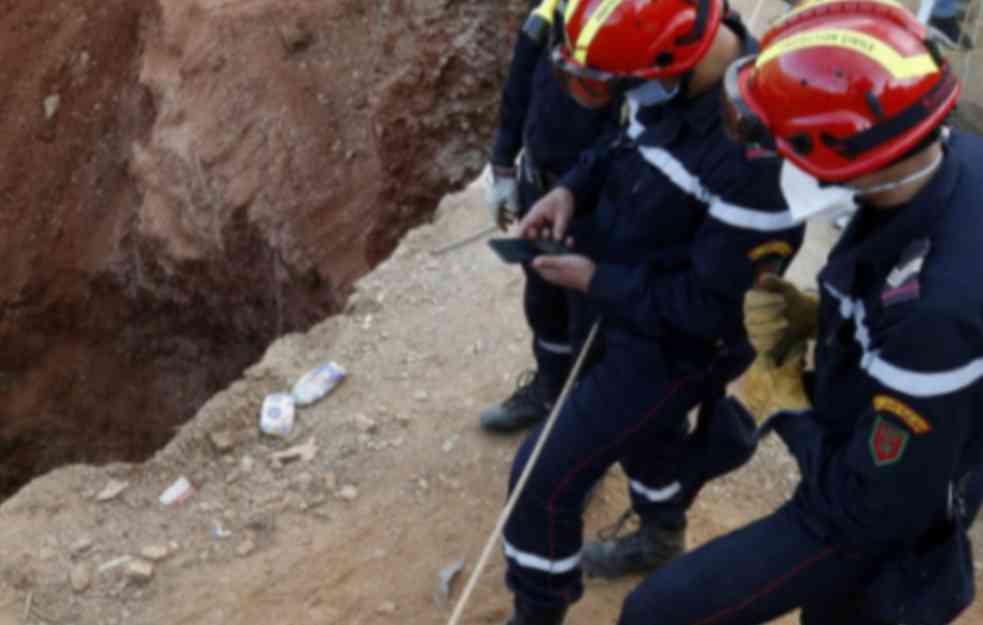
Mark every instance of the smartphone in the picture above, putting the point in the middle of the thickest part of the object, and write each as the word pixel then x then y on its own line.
pixel 520 251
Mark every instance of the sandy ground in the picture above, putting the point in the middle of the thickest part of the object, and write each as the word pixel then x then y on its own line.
pixel 428 342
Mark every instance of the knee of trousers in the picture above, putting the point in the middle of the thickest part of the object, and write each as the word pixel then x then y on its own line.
pixel 662 603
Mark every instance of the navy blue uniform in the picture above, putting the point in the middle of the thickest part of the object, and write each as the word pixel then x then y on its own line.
pixel 683 221
pixel 891 455
pixel 537 114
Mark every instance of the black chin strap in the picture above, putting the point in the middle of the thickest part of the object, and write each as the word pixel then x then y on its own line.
pixel 889 129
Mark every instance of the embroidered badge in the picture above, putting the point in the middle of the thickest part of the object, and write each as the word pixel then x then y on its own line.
pixel 887 442
pixel 902 284
pixel 915 422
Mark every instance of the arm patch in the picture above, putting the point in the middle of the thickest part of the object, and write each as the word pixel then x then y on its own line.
pixel 888 442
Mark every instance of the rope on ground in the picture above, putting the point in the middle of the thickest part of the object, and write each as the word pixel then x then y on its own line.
pixel 521 483
pixel 968 54
pixel 754 15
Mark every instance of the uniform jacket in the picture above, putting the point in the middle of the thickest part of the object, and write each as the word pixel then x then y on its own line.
pixel 537 113
pixel 891 452
pixel 685 220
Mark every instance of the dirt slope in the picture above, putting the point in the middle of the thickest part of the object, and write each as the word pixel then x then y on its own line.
pixel 428 342
pixel 184 181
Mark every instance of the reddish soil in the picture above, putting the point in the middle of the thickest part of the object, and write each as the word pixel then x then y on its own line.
pixel 214 175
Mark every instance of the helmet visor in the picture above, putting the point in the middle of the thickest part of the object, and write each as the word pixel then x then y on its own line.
pixel 591 88
pixel 740 121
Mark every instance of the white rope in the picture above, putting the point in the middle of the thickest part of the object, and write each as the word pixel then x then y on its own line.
pixel 968 58
pixel 754 15
pixel 521 483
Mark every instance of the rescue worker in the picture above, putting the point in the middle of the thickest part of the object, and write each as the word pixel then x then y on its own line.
pixel 685 218
pixel 540 119
pixel 890 440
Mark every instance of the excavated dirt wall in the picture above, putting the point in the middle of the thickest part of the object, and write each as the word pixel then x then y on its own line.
pixel 184 181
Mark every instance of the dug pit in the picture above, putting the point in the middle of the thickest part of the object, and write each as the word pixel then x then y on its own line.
pixel 191 180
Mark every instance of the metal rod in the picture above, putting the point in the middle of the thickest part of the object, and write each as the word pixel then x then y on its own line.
pixel 468 240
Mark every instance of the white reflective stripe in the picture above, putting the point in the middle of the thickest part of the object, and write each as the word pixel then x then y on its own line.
pixel 913 383
pixel 676 172
pixel 656 495
pixel 922 384
pixel 539 563
pixel 748 218
pixel 730 214
pixel 564 349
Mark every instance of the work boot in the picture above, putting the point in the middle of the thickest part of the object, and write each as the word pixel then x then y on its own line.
pixel 529 404
pixel 526 614
pixel 641 551
pixel 950 28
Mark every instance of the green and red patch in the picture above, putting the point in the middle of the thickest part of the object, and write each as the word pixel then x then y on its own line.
pixel 887 442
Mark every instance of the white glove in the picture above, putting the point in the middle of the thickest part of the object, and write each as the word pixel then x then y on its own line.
pixel 502 196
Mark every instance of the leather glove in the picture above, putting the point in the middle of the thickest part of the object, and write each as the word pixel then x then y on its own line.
pixel 777 315
pixel 767 388
pixel 502 196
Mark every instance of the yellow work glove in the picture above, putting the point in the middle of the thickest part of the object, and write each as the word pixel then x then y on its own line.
pixel 777 315
pixel 767 388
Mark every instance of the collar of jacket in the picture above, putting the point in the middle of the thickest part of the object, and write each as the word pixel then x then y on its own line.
pixel 880 249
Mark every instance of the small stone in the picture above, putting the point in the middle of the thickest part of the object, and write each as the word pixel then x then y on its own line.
pixel 365 424
pixel 330 480
pixel 51 105
pixel 450 443
pixel 81 545
pixel 348 493
pixel 296 36
pixel 140 571
pixel 80 578
pixel 112 490
pixel 387 607
pixel 155 553
pixel 247 463
pixel 421 396
pixel 47 553
pixel 246 547
pixel 222 441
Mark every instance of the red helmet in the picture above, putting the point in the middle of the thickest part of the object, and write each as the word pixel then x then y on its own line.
pixel 609 45
pixel 841 88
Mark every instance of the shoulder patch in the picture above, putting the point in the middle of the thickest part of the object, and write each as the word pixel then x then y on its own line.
pixel 888 442
pixel 903 283
pixel 779 248
pixel 915 422
pixel 772 257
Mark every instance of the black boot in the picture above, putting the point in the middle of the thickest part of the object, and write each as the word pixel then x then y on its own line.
pixel 645 549
pixel 529 404
pixel 526 614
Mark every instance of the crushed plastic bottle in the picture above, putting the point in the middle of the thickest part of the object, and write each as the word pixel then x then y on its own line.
pixel 276 418
pixel 317 383
pixel 177 492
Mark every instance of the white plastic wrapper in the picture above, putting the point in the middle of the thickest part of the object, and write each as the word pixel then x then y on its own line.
pixel 317 383
pixel 177 492
pixel 276 418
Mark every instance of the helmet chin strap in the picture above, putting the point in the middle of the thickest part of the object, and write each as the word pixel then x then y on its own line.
pixel 928 170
